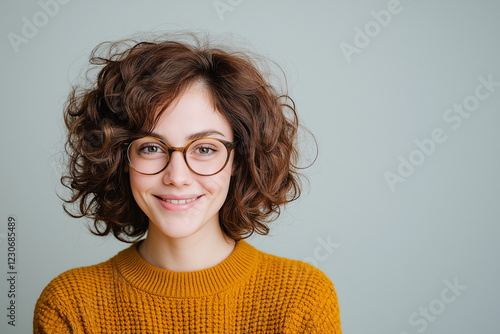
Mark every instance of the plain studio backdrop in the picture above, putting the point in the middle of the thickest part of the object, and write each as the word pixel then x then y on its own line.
pixel 402 207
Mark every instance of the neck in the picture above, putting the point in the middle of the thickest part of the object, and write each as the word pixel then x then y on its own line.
pixel 196 252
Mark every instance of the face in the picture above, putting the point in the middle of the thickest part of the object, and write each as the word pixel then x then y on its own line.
pixel 178 202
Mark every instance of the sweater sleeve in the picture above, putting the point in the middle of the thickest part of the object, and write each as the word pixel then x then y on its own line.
pixel 56 310
pixel 49 320
pixel 48 317
pixel 325 317
pixel 318 310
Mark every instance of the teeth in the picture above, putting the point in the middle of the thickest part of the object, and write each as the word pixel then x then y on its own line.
pixel 180 201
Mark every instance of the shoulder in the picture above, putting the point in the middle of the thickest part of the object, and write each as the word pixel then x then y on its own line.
pixel 296 280
pixel 63 300
pixel 81 284
pixel 293 271
pixel 77 281
pixel 307 291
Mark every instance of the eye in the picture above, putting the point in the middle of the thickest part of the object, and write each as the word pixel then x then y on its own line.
pixel 205 150
pixel 150 148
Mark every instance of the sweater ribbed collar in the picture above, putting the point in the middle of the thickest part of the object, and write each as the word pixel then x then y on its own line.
pixel 235 268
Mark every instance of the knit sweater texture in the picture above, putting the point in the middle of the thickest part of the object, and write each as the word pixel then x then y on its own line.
pixel 249 292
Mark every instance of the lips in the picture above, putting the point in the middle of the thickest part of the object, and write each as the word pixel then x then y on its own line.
pixel 178 201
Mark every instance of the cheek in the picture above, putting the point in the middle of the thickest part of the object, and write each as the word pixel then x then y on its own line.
pixel 139 183
pixel 219 184
pixel 134 182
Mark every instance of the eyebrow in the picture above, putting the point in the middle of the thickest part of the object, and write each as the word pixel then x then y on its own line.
pixel 196 135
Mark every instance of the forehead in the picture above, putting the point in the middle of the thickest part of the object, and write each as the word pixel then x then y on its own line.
pixel 193 112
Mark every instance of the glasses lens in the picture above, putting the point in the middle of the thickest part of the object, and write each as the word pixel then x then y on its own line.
pixel 147 155
pixel 206 156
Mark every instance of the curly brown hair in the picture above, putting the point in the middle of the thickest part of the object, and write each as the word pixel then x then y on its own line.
pixel 134 81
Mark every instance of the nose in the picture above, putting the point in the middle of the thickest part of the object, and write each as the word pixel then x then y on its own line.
pixel 177 172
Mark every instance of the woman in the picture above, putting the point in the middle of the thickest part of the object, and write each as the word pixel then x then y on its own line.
pixel 190 144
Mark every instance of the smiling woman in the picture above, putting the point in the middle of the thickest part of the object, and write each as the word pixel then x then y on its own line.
pixel 184 150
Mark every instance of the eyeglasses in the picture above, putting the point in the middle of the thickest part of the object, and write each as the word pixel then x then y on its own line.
pixel 203 156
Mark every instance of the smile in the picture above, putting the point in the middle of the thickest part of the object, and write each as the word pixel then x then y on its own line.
pixel 180 201
pixel 178 204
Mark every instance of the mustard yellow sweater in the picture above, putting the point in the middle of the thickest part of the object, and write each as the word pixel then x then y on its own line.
pixel 249 292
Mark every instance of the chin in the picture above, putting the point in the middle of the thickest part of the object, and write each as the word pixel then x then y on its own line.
pixel 179 227
pixel 173 229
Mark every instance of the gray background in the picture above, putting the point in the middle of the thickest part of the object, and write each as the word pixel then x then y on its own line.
pixel 388 251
